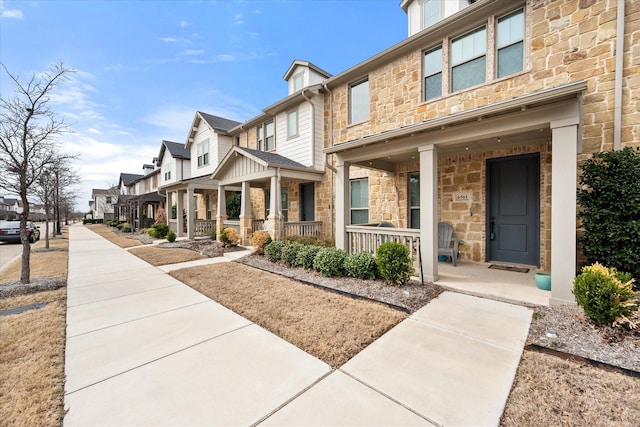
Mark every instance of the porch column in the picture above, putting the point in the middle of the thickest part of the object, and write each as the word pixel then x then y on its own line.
pixel 179 209
pixel 246 218
pixel 275 210
pixel 429 211
pixel 342 202
pixel 221 211
pixel 564 151
pixel 138 226
pixel 191 213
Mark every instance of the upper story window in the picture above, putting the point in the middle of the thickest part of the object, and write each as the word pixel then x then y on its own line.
pixel 292 123
pixel 433 73
pixel 167 171
pixel 359 101
pixel 297 82
pixel 108 200
pixel 203 154
pixel 431 12
pixel 510 43
pixel 266 136
pixel 469 59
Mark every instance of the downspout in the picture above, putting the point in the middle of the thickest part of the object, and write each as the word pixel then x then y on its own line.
pixel 327 164
pixel 617 111
pixel 313 129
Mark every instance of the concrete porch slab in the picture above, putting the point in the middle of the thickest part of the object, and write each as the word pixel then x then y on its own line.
pixel 340 400
pixel 102 354
pixel 234 379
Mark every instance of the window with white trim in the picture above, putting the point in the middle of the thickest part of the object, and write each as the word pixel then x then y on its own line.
pixel 359 200
pixel 414 200
pixel 292 123
pixel 510 43
pixel 266 136
pixel 359 101
pixel 297 82
pixel 431 12
pixel 209 206
pixel 433 73
pixel 167 171
pixel 203 153
pixel 469 59
pixel 284 203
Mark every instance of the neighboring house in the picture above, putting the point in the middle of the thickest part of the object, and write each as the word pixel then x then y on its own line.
pixel 475 117
pixel 103 203
pixel 140 197
pixel 9 208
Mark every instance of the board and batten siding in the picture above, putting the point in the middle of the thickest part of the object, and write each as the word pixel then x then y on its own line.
pixel 243 168
pixel 299 148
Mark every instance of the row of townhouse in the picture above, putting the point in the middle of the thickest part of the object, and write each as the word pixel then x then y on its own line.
pixel 480 118
pixel 11 208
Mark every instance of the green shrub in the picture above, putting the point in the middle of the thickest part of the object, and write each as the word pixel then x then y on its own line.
pixel 394 263
pixel 604 297
pixel 152 232
pixel 229 237
pixel 273 250
pixel 159 230
pixel 306 255
pixel 171 236
pixel 290 253
pixel 259 240
pixel 125 228
pixel 609 199
pixel 330 261
pixel 312 240
pixel 361 265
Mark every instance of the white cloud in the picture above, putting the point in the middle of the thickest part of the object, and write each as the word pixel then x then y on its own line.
pixel 183 24
pixel 190 52
pixel 10 13
pixel 95 131
pixel 238 19
pixel 232 57
pixel 169 39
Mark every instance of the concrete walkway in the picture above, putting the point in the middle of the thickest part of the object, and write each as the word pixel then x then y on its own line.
pixel 145 349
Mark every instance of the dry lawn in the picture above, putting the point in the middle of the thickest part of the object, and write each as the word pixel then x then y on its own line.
pixel 163 256
pixel 32 345
pixel 551 391
pixel 332 327
pixel 112 236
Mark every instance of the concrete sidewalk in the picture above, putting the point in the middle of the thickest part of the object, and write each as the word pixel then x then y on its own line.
pixel 145 349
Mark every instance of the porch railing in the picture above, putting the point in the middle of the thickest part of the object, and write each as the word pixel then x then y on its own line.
pixel 230 223
pixel 363 238
pixel 303 228
pixel 204 227
pixel 257 224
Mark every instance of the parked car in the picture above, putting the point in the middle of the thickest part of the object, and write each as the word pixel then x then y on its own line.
pixel 10 231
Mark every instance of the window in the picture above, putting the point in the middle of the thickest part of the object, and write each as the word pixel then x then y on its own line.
pixel 297 82
pixel 510 43
pixel 469 59
pixel 414 200
pixel 167 171
pixel 430 12
pixel 237 140
pixel 195 205
pixel 203 154
pixel 359 201
pixel 359 101
pixel 292 123
pixel 266 138
pixel 108 200
pixel 209 206
pixel 433 73
pixel 284 203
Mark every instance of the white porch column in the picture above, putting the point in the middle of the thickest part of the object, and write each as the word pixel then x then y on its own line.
pixel 191 213
pixel 429 211
pixel 275 210
pixel 342 202
pixel 246 229
pixel 179 209
pixel 564 150
pixel 168 206
pixel 221 211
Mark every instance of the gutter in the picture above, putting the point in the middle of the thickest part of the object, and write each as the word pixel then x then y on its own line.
pixel 617 94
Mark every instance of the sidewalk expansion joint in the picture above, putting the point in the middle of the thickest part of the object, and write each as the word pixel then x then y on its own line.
pixel 397 402
pixel 159 358
pixel 294 397
pixel 122 296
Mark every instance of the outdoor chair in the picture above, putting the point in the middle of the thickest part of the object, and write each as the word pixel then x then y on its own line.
pixel 447 245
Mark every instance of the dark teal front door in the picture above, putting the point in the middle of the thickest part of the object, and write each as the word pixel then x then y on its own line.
pixel 513 209
pixel 307 201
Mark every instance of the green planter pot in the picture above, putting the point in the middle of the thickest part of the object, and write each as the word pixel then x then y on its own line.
pixel 543 280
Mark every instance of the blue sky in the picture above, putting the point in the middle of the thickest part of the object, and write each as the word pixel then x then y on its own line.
pixel 144 67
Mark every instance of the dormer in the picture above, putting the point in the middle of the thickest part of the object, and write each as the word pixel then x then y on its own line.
pixel 302 74
pixel 423 14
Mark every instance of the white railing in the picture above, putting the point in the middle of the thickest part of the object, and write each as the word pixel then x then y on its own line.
pixel 257 224
pixel 204 227
pixel 363 238
pixel 303 228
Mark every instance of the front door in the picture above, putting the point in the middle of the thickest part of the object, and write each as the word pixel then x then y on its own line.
pixel 307 202
pixel 513 214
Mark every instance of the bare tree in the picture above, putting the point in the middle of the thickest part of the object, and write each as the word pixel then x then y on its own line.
pixel 28 131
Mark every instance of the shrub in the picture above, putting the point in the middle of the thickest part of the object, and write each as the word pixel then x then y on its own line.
pixel 273 250
pixel 126 227
pixel 306 255
pixel 312 240
pixel 161 217
pixel 361 265
pixel 290 253
pixel 394 263
pixel 605 298
pixel 330 261
pixel 233 206
pixel 152 232
pixel 260 239
pixel 229 237
pixel 159 231
pixel 610 207
pixel 171 236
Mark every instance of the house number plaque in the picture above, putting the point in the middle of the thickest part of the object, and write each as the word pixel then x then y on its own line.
pixel 462 197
